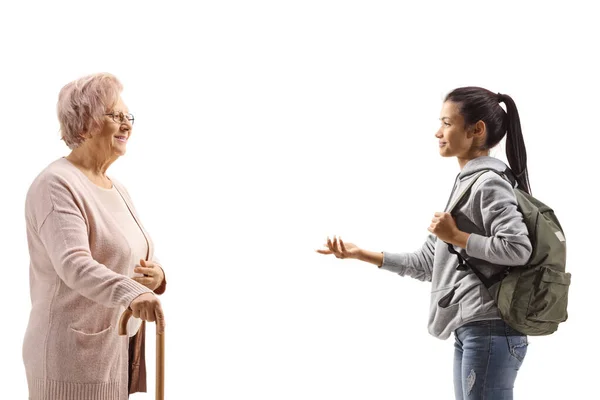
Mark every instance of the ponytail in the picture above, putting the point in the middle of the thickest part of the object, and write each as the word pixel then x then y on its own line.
pixel 515 146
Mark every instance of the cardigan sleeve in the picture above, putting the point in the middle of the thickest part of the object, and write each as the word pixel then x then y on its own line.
pixel 64 235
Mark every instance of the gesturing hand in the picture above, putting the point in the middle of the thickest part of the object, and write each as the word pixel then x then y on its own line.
pixel 340 249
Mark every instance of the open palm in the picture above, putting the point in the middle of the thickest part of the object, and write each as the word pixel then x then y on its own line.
pixel 340 249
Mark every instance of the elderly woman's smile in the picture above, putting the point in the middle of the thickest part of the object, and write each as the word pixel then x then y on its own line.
pixel 121 138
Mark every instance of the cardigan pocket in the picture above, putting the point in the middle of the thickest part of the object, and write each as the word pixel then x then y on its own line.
pixel 80 331
pixel 94 357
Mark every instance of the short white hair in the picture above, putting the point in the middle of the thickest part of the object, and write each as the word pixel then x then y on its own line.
pixel 82 105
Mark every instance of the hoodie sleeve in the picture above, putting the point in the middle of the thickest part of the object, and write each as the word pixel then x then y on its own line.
pixel 417 265
pixel 506 241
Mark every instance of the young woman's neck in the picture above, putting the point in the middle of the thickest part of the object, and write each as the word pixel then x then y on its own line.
pixel 463 160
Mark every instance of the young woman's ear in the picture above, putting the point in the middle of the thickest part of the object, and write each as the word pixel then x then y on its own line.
pixel 477 131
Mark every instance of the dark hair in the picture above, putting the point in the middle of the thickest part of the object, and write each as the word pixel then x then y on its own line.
pixel 479 104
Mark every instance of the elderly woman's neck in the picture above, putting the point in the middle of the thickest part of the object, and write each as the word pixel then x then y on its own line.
pixel 90 163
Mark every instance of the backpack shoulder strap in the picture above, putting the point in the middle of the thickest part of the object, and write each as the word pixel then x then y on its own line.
pixel 463 264
pixel 506 174
pixel 465 191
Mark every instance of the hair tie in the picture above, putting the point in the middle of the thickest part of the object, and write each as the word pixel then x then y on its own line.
pixel 500 97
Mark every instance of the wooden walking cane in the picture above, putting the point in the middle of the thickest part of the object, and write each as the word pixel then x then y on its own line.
pixel 160 353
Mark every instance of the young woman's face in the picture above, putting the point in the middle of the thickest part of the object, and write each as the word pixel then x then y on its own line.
pixel 455 140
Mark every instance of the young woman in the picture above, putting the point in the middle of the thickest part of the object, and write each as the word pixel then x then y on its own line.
pixel 486 228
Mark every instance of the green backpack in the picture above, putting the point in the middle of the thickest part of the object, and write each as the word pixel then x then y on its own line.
pixel 531 298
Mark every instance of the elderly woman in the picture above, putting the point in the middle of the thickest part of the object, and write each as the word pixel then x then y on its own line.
pixel 91 258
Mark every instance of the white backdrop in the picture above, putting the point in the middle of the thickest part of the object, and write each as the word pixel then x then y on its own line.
pixel 264 126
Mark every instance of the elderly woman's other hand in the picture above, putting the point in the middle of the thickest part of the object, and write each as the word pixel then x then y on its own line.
pixel 147 307
pixel 153 274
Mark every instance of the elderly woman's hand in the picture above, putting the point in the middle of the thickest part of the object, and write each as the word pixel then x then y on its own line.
pixel 153 274
pixel 147 307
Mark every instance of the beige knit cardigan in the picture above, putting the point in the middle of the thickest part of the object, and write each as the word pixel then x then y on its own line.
pixel 78 281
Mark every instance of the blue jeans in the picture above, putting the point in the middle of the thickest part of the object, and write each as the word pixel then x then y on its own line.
pixel 487 357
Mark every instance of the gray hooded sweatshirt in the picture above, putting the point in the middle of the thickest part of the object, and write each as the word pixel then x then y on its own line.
pixel 498 239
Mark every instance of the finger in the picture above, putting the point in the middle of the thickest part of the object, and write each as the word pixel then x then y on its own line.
pixel 332 248
pixel 149 264
pixel 329 243
pixel 160 319
pixel 438 214
pixel 136 312
pixel 150 315
pixel 430 230
pixel 145 271
pixel 143 280
pixel 335 244
pixel 143 314
pixel 324 251
pixel 342 245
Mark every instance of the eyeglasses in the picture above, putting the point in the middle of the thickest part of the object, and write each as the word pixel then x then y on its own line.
pixel 120 118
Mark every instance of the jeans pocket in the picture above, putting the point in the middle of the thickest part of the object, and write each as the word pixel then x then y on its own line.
pixel 517 346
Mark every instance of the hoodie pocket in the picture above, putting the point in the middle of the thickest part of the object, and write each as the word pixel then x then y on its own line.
pixel 446 299
pixel 446 312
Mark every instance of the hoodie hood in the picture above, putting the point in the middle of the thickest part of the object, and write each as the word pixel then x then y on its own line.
pixel 481 163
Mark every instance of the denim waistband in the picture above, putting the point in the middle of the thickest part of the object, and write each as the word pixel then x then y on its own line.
pixel 494 327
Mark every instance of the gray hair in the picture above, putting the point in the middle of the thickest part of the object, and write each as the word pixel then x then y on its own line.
pixel 82 105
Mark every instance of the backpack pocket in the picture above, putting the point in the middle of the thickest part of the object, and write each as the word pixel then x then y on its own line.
pixel 548 302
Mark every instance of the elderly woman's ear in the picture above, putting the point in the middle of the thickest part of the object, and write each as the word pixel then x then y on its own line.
pixel 85 135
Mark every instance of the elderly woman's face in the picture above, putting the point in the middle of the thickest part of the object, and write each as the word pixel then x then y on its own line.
pixel 112 139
